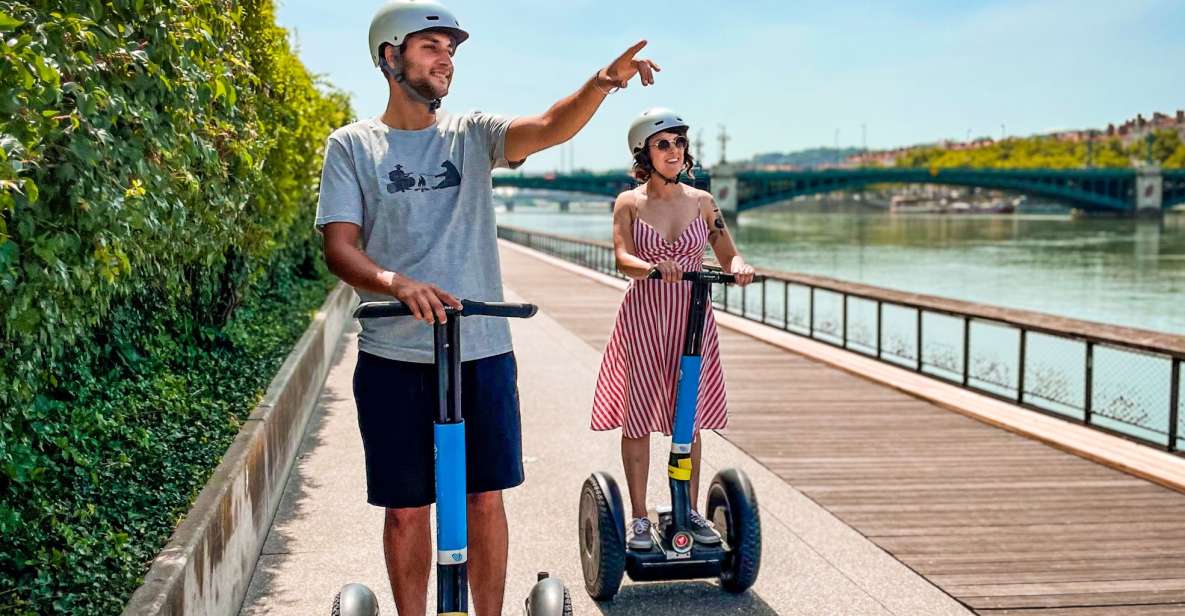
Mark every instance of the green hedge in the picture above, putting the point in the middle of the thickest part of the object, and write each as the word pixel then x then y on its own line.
pixel 158 170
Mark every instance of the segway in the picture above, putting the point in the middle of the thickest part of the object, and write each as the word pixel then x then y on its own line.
pixel 732 504
pixel 548 597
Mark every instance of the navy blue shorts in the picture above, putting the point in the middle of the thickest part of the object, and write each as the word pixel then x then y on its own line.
pixel 396 406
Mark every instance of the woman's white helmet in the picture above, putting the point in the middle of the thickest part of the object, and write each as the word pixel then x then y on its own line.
pixel 398 19
pixel 652 122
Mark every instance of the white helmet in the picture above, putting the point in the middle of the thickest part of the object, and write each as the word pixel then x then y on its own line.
pixel 397 19
pixel 651 122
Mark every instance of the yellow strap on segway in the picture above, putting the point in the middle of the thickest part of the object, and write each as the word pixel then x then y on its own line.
pixel 681 472
pixel 678 473
pixel 451 614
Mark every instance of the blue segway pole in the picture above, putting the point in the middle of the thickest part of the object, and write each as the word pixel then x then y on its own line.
pixel 679 465
pixel 449 433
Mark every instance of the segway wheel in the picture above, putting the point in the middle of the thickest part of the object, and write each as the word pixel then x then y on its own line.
pixel 355 600
pixel 602 551
pixel 549 597
pixel 732 507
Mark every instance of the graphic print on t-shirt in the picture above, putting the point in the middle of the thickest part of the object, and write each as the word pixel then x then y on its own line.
pixel 402 180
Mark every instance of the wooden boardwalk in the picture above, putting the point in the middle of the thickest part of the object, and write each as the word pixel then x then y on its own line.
pixel 1002 523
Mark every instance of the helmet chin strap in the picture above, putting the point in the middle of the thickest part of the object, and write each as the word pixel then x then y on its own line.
pixel 432 103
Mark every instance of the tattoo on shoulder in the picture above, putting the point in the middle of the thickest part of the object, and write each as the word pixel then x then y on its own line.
pixel 719 219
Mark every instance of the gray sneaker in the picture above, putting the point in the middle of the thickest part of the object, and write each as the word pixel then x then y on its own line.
pixel 703 530
pixel 640 535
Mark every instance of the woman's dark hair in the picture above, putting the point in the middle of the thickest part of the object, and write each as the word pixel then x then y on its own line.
pixel 643 167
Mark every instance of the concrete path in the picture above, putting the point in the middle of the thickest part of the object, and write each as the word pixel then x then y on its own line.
pixel 325 534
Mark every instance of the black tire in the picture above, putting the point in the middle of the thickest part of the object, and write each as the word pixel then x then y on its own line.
pixel 602 552
pixel 732 506
pixel 567 603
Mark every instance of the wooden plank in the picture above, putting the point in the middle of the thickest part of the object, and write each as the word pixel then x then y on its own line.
pixel 1107 610
pixel 1099 599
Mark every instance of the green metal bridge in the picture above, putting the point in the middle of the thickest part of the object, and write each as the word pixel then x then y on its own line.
pixel 1092 190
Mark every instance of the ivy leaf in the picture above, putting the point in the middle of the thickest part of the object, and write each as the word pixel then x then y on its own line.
pixel 31 191
pixel 7 23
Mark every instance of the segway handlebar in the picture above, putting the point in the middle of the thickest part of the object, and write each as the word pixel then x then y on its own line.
pixel 709 276
pixel 469 308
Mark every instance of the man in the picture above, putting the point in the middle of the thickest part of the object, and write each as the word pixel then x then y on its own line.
pixel 388 232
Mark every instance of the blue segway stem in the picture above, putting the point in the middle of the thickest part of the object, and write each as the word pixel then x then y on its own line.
pixel 686 399
pixel 451 530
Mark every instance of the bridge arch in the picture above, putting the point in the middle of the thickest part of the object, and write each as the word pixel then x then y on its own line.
pixel 1109 190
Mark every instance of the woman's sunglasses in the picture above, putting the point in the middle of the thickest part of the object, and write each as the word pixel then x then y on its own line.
pixel 665 144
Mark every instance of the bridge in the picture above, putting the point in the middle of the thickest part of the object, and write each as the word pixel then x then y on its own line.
pixel 1117 191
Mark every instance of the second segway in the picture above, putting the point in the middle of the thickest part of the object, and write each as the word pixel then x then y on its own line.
pixel 732 504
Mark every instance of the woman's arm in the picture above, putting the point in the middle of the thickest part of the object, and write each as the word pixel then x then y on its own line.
pixel 624 210
pixel 720 239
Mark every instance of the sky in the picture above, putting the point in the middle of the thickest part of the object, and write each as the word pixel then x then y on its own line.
pixel 791 74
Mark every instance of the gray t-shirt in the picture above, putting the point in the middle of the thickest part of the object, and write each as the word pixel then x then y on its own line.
pixel 425 204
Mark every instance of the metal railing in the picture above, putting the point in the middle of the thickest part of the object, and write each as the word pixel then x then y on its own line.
pixel 1120 380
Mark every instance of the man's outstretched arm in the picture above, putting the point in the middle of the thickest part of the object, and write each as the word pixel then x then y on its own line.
pixel 530 134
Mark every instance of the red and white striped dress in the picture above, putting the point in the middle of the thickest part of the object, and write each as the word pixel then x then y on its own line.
pixel 637 382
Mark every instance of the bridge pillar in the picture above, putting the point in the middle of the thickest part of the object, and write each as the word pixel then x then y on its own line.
pixel 510 205
pixel 1149 190
pixel 564 205
pixel 724 189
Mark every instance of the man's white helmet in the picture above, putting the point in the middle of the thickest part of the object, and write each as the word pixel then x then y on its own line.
pixel 651 122
pixel 397 19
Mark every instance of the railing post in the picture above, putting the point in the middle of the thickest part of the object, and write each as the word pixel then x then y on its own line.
pixel 1088 400
pixel 763 301
pixel 811 313
pixel 919 339
pixel 1174 403
pixel 1020 369
pixel 786 305
pixel 966 351
pixel 880 311
pixel 844 340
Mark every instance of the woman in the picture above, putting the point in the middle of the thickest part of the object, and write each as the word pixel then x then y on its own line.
pixel 662 225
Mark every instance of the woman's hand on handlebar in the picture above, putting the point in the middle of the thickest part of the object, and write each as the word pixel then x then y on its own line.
pixel 426 301
pixel 671 271
pixel 743 271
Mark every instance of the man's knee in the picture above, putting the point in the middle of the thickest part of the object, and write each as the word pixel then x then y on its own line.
pixel 485 503
pixel 409 518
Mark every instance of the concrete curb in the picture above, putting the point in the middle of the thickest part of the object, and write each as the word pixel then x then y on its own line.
pixel 207 564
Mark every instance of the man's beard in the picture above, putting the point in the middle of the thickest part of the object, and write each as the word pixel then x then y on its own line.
pixel 428 89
